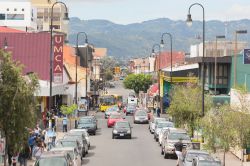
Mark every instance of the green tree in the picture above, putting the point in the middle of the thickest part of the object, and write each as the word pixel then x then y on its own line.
pixel 108 75
pixel 17 102
pixel 185 106
pixel 68 110
pixel 138 82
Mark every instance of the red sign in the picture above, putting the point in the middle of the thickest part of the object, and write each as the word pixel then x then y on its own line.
pixel 58 58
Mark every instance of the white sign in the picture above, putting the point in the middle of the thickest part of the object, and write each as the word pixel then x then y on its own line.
pixel 2 146
pixel 82 105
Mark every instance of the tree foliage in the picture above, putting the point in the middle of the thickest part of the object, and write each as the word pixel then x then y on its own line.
pixel 186 107
pixel 68 110
pixel 138 82
pixel 17 102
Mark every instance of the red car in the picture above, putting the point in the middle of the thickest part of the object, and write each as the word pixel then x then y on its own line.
pixel 113 118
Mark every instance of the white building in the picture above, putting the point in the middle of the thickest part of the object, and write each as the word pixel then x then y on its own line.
pixel 18 15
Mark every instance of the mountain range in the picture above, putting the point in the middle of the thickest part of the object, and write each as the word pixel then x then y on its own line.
pixel 136 40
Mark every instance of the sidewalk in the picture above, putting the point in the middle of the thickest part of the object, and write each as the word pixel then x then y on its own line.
pixel 231 159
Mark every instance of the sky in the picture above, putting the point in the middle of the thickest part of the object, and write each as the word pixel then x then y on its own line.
pixel 134 11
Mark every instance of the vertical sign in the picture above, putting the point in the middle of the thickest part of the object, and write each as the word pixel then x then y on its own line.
pixel 2 146
pixel 58 58
pixel 246 56
pixel 161 86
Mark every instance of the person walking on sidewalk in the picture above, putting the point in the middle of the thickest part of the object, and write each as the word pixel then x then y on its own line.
pixel 24 155
pixel 65 123
pixel 178 150
pixel 158 111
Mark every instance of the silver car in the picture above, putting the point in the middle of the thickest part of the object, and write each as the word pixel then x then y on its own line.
pixel 206 161
pixel 152 124
pixel 72 152
pixel 191 154
pixel 140 116
pixel 160 125
pixel 82 131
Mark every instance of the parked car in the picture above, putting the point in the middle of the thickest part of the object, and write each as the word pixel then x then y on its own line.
pixel 82 140
pixel 110 110
pixel 130 110
pixel 113 118
pixel 160 125
pixel 191 154
pixel 122 129
pixel 152 124
pixel 140 116
pixel 80 132
pixel 52 158
pixel 206 161
pixel 88 123
pixel 75 156
pixel 162 133
pixel 173 137
pixel 70 143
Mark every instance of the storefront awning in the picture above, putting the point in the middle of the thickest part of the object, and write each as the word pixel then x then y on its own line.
pixel 153 90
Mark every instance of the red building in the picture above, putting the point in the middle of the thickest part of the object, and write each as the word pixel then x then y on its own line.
pixel 165 59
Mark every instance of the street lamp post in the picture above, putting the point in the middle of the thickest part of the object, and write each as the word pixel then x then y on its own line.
pixel 66 18
pixel 77 54
pixel 235 52
pixel 171 51
pixel 159 70
pixel 93 50
pixel 215 61
pixel 189 23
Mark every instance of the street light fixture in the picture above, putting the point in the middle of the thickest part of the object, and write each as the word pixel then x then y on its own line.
pixel 171 51
pixel 215 61
pixel 235 52
pixel 77 54
pixel 189 23
pixel 66 18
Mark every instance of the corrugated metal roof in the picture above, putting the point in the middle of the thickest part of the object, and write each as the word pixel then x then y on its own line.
pixel 9 30
pixel 30 49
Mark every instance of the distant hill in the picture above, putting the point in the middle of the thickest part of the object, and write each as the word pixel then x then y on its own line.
pixel 135 40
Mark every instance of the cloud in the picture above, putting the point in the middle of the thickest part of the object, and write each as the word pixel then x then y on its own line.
pixel 238 11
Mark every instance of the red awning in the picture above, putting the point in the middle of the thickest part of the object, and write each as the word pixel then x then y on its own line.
pixel 153 90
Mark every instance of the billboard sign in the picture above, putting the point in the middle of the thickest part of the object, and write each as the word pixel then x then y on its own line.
pixel 246 56
pixel 58 58
pixel 82 105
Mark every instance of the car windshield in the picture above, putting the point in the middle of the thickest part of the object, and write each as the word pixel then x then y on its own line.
pixel 131 108
pixel 66 144
pixel 161 125
pixel 122 125
pixel 191 156
pixel 141 113
pixel 85 121
pixel 115 116
pixel 79 133
pixel 72 137
pixel 177 136
pixel 159 120
pixel 55 161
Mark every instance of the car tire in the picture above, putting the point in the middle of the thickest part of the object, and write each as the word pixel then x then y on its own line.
pixel 166 156
pixel 113 137
pixel 130 137
pixel 162 153
pixel 94 133
pixel 89 146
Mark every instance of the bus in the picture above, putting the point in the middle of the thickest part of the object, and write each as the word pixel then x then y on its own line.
pixel 107 101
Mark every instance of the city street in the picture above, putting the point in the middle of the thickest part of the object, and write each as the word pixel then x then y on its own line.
pixel 141 150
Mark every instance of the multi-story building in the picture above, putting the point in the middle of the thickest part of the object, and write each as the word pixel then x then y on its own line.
pixel 18 15
pixel 44 8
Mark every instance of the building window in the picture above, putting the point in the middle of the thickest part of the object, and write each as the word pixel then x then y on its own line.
pixel 2 16
pixel 15 9
pixel 23 10
pixel 8 9
pixel 15 16
pixel 56 26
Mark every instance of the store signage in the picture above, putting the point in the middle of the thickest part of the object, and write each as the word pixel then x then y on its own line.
pixel 246 56
pixel 58 58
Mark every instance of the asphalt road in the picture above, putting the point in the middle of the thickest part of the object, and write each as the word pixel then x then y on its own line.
pixel 141 150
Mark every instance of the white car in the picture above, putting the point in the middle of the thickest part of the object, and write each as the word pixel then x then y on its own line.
pixel 82 131
pixel 160 125
pixel 162 133
pixel 75 156
pixel 152 124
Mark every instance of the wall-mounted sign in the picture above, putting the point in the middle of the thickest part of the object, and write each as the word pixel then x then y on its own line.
pixel 246 56
pixel 58 58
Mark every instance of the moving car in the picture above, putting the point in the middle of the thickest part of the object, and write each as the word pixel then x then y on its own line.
pixel 87 123
pixel 83 132
pixel 113 118
pixel 130 109
pixel 152 124
pixel 173 137
pixel 205 161
pixel 122 129
pixel 77 160
pixel 141 116
pixel 160 125
pixel 191 154
pixel 54 158
pixel 110 110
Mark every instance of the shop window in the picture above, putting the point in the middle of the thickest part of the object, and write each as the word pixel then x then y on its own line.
pixel 15 16
pixel 2 16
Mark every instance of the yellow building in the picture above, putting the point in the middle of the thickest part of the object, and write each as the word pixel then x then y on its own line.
pixel 44 12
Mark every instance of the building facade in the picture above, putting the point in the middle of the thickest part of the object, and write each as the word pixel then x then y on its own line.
pixel 18 15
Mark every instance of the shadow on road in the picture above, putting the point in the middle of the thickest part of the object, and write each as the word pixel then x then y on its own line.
pixel 92 147
pixel 90 154
pixel 85 161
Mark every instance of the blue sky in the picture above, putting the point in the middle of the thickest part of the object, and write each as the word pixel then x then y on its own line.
pixel 132 11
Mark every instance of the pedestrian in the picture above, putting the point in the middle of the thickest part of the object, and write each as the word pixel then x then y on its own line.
pixel 24 155
pixel 53 122
pixel 158 111
pixel 178 150
pixel 65 123
pixel 31 143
